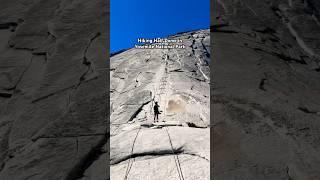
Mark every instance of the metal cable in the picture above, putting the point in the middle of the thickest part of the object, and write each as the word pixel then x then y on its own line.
pixel 130 159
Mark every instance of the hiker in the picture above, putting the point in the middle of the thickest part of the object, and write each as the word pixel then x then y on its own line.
pixel 156 111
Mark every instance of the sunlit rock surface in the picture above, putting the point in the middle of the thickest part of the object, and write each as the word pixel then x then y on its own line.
pixel 53 90
pixel 266 90
pixel 179 80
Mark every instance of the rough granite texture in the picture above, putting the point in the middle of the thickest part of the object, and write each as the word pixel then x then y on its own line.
pixel 53 90
pixel 179 80
pixel 266 90
pixel 265 94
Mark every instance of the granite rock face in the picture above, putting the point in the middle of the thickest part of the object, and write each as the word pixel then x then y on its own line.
pixel 266 90
pixel 53 90
pixel 178 79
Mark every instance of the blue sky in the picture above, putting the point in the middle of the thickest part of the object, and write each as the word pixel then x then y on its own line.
pixel 133 19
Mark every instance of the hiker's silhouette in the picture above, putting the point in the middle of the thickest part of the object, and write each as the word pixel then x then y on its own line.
pixel 156 111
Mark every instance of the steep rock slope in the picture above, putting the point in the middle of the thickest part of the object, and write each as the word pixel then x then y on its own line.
pixel 266 90
pixel 53 81
pixel 178 79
